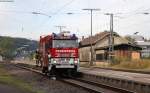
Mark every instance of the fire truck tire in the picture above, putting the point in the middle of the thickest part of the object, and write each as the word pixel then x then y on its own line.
pixel 44 70
pixel 52 71
pixel 74 72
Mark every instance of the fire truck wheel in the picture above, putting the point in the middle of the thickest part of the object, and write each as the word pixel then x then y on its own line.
pixel 52 72
pixel 44 70
pixel 74 72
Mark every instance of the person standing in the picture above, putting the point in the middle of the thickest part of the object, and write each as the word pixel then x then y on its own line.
pixel 37 55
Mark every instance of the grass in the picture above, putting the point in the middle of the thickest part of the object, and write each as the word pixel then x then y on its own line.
pixel 134 64
pixel 6 78
pixel 126 63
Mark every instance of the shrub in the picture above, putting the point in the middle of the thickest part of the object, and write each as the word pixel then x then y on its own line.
pixel 119 60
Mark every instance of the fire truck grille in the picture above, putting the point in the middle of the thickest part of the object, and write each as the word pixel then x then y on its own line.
pixel 64 61
pixel 65 55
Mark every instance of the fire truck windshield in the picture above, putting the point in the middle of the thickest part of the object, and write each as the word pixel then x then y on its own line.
pixel 65 43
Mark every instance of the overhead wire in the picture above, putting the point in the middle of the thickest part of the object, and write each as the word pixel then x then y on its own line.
pixel 56 12
pixel 64 6
pixel 133 24
pixel 132 13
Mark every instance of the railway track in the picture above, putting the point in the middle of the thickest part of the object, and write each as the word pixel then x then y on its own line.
pixel 91 86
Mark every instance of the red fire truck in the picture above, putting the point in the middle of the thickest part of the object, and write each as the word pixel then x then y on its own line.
pixel 59 53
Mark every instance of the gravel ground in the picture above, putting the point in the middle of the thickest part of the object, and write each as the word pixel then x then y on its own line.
pixel 42 83
pixel 8 89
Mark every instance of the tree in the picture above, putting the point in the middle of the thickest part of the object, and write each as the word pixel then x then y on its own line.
pixel 6 47
pixel 9 46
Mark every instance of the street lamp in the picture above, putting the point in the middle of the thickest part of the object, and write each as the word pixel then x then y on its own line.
pixel 91 11
pixel 146 13
pixel 39 13
pixel 69 13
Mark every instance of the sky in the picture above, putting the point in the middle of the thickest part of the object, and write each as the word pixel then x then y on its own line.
pixel 17 19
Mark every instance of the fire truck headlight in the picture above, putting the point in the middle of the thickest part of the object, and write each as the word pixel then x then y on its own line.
pixel 75 61
pixel 49 56
pixel 54 61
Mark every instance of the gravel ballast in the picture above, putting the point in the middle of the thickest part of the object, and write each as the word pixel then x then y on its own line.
pixel 40 82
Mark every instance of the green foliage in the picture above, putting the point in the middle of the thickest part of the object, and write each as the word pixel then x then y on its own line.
pixel 8 46
pixel 118 60
pixel 146 57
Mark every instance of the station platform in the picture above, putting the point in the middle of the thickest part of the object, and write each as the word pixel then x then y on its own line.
pixel 138 77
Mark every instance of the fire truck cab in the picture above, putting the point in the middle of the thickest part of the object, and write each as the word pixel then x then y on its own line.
pixel 59 53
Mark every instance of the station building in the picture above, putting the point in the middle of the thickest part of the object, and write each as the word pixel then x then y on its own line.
pixel 100 45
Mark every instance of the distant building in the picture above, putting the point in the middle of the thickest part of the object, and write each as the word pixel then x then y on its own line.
pixel 145 53
pixel 122 48
pixel 137 38
pixel 145 45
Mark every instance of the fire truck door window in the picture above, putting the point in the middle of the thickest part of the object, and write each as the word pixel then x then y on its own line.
pixel 48 45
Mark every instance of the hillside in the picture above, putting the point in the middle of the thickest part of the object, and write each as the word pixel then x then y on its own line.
pixel 11 47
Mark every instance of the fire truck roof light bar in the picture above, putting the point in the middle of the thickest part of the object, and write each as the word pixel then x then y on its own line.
pixel 61 36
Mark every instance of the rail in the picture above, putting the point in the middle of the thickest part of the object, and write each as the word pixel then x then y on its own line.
pixel 85 84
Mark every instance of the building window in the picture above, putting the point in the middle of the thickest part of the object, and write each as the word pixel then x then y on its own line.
pixel 99 56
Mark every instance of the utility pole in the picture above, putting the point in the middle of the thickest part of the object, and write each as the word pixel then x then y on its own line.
pixel 91 11
pixel 60 27
pixel 111 38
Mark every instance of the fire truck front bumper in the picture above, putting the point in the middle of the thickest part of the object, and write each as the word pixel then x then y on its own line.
pixel 65 66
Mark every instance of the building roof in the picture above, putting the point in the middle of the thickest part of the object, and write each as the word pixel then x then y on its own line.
pixel 95 38
pixel 117 46
pixel 143 43
pixel 100 41
pixel 117 41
